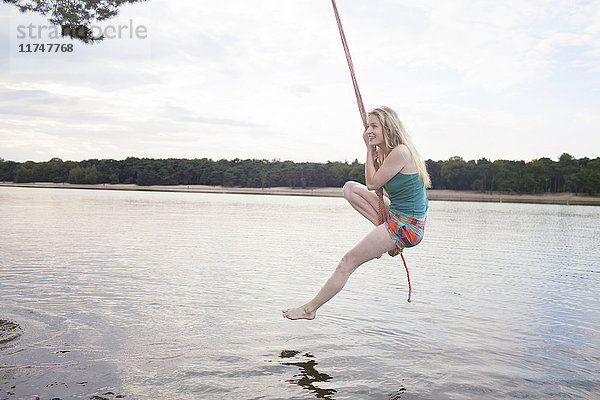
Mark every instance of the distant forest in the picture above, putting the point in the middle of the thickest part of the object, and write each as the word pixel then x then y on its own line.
pixel 543 175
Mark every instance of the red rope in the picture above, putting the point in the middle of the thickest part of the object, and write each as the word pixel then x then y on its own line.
pixel 363 115
pixel 407 276
pixel 361 107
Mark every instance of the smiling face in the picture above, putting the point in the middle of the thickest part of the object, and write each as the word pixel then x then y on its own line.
pixel 375 131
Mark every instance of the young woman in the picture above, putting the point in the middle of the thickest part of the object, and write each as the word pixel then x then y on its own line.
pixel 404 176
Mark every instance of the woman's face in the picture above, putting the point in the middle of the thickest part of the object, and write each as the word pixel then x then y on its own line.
pixel 375 131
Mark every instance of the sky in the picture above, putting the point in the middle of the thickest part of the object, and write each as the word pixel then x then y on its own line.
pixel 268 79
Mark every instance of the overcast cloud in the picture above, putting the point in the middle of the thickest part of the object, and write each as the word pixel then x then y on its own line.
pixel 268 79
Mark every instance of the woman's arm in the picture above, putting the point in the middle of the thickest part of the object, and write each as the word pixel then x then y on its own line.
pixel 395 161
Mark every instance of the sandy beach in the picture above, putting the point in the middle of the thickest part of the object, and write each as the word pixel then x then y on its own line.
pixel 445 195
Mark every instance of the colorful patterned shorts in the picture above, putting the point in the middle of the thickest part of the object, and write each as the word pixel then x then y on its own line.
pixel 407 232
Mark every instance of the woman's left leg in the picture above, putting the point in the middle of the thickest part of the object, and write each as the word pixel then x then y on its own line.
pixel 364 201
pixel 377 242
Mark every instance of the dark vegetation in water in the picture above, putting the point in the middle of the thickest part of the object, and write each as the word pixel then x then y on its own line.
pixel 543 175
pixel 9 331
pixel 308 375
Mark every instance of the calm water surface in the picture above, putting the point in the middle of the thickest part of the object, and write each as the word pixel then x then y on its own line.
pixel 143 295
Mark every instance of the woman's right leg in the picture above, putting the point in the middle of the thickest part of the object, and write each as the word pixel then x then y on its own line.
pixel 374 245
pixel 363 200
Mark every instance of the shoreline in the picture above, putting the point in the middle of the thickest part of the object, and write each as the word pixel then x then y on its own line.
pixel 437 194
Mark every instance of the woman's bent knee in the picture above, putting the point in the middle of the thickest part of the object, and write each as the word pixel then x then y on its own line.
pixel 349 188
pixel 352 260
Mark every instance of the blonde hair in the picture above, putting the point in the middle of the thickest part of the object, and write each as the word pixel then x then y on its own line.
pixel 395 134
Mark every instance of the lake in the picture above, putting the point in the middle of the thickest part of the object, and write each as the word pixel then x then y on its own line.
pixel 144 295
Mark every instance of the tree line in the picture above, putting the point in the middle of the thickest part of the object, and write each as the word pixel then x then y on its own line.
pixel 542 175
pixel 568 174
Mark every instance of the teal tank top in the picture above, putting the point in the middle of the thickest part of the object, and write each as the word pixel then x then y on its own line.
pixel 408 195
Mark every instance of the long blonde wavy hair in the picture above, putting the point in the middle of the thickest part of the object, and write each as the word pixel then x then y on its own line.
pixel 395 134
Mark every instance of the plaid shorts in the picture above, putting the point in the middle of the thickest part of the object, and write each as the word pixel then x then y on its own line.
pixel 407 232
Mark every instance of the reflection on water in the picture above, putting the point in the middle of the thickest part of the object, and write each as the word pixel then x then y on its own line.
pixel 178 296
pixel 308 374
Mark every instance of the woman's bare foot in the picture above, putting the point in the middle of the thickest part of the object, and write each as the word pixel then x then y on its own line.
pixel 299 313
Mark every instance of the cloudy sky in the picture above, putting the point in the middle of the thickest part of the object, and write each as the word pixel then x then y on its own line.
pixel 268 79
